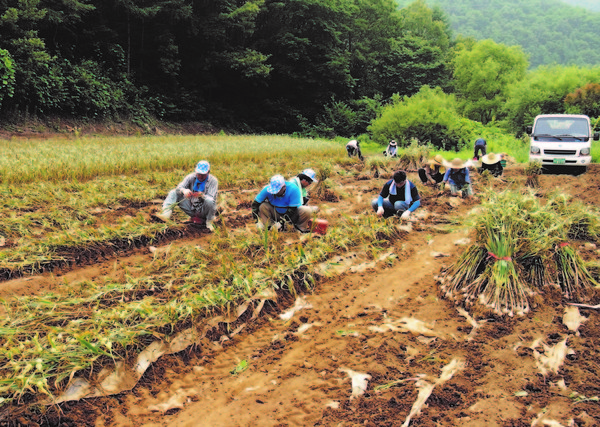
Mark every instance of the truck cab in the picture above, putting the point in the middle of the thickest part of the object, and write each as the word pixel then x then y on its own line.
pixel 561 140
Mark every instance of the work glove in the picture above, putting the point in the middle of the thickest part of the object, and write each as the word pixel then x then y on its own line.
pixel 260 226
pixel 405 215
pixel 380 210
pixel 278 226
pixel 187 193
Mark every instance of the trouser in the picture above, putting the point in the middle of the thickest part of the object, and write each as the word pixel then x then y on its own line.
pixel 206 209
pixel 480 148
pixel 388 209
pixel 438 177
pixel 466 189
pixel 268 215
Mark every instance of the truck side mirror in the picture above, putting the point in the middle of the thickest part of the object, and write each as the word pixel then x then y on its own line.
pixel 528 129
pixel 596 136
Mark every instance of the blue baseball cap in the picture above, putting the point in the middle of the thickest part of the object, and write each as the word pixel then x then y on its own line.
pixel 203 167
pixel 309 173
pixel 276 184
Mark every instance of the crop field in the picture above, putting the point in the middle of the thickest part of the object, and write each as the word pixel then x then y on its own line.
pixel 475 312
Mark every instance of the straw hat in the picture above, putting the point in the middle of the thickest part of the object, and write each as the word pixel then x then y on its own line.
pixel 438 160
pixel 393 142
pixel 455 164
pixel 490 159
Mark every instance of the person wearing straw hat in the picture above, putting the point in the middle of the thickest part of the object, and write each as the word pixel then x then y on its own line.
pixel 432 172
pixel 397 197
pixel 480 147
pixel 281 202
pixel 492 162
pixel 457 176
pixel 196 195
pixel 353 149
pixel 303 180
pixel 391 150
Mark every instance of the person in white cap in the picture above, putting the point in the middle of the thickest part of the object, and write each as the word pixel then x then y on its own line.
pixel 196 195
pixel 392 149
pixel 281 202
pixel 303 180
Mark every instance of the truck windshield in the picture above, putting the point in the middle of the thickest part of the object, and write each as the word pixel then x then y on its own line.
pixel 562 129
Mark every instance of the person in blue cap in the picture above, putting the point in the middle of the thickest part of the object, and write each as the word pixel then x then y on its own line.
pixel 281 202
pixel 303 180
pixel 196 195
pixel 398 196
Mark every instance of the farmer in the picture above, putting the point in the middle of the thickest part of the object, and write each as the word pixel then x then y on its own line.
pixel 353 149
pixel 281 202
pixel 398 197
pixel 303 180
pixel 432 172
pixel 492 162
pixel 391 150
pixel 457 175
pixel 196 195
pixel 480 147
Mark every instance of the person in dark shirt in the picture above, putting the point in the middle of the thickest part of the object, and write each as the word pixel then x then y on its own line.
pixel 398 197
pixel 432 173
pixel 480 148
pixel 491 162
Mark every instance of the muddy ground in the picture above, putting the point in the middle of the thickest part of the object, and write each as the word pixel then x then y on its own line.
pixel 380 320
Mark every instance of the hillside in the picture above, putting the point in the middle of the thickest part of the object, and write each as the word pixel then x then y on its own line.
pixel 550 31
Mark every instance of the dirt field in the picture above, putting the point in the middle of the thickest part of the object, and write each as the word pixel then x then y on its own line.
pixel 379 321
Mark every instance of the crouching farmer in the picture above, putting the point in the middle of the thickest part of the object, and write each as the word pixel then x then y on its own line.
pixel 281 202
pixel 457 176
pixel 196 195
pixel 398 197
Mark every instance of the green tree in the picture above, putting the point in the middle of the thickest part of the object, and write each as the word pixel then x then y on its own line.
pixel 585 100
pixel 481 75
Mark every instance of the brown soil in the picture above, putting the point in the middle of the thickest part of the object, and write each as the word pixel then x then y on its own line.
pixel 298 370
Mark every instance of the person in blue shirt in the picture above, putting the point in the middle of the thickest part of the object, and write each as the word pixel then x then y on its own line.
pixel 281 202
pixel 196 195
pixel 480 147
pixel 457 176
pixel 391 150
pixel 398 197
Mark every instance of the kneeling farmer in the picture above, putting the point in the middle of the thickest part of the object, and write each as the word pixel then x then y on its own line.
pixel 196 195
pixel 398 197
pixel 278 202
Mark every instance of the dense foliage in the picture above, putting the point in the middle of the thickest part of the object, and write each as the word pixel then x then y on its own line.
pixel 261 65
pixel 550 31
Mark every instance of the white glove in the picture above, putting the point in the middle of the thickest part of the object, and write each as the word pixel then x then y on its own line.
pixel 260 226
pixel 380 210
pixel 186 192
pixel 405 215
pixel 278 225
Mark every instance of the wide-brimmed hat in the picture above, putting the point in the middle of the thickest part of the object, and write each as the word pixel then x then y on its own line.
pixel 393 142
pixel 203 167
pixel 456 163
pixel 277 182
pixel 490 159
pixel 437 160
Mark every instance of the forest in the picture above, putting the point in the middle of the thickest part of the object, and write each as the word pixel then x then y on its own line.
pixel 322 68
pixel 551 32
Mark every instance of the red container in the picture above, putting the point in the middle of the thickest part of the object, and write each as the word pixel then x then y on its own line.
pixel 319 226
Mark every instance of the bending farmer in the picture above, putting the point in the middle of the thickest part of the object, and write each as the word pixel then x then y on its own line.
pixel 303 180
pixel 391 150
pixel 432 172
pixel 196 195
pixel 480 147
pixel 457 176
pixel 398 197
pixel 353 149
pixel 278 202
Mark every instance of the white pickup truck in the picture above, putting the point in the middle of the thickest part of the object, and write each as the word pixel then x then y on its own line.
pixel 561 140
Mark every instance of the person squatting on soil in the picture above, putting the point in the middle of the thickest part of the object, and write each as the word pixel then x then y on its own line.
pixel 353 149
pixel 398 197
pixel 457 175
pixel 196 195
pixel 492 162
pixel 391 150
pixel 432 173
pixel 303 180
pixel 281 202
pixel 480 147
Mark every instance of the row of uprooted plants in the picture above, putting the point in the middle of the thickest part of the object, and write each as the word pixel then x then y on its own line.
pixel 522 247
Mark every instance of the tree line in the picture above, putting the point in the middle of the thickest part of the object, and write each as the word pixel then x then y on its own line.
pixel 255 65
